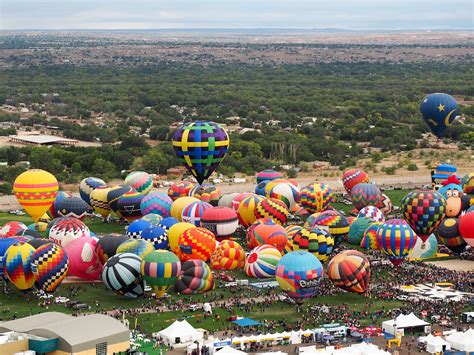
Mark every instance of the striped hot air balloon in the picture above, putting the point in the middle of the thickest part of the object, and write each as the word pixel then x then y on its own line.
pixel 99 201
pixel 114 195
pixel 373 213
pixel 268 233
pixel 222 221
pixel 160 270
pixel 365 194
pixel 272 208
pixel 107 246
pixel 315 240
pixel 353 177
pixel 246 210
pixel 315 197
pixel 262 261
pixel 337 224
pixel 350 270
pixel 156 203
pixel 87 185
pixel 196 277
pixel 268 175
pixel 229 255
pixel 285 192
pixel 193 212
pixel 396 239
pixel 122 274
pixel 141 181
pixel 50 265
pixel 369 239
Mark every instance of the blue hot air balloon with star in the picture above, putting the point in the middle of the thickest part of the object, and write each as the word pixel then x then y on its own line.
pixel 439 112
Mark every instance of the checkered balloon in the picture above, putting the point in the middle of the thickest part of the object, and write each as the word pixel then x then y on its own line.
pixel 49 263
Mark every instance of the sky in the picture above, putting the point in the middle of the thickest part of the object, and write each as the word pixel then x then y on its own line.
pixel 235 14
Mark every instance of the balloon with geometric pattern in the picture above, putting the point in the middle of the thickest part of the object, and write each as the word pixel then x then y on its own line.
pixel 385 205
pixel 268 175
pixel 138 247
pixel 424 210
pixel 10 229
pixel 197 243
pixel 174 233
pixel 262 261
pixel 467 183
pixel 72 206
pixel 195 277
pixel 369 239
pixel 246 210
pixel 365 194
pixel 129 205
pixel 67 229
pixel 17 265
pixel 155 235
pixel 122 274
pixel 314 240
pixel 156 203
pixel 373 213
pixel 210 194
pixel 180 189
pixel 160 270
pixel 315 197
pixel 193 212
pixel 396 239
pixel 201 146
pixel 141 181
pixel 350 270
pixel 99 201
pixel 36 190
pixel 336 223
pixel 291 230
pixel 179 205
pixel 237 198
pixel 87 185
pixel 353 177
pixel 449 235
pixel 50 265
pixel 272 208
pixel 229 255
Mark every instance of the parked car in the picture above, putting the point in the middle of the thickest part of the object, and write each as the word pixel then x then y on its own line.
pixel 81 306
pixel 193 307
pixel 61 300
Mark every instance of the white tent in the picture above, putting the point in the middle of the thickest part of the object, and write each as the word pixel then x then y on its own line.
pixel 462 341
pixel 402 322
pixel 436 344
pixel 228 350
pixel 180 332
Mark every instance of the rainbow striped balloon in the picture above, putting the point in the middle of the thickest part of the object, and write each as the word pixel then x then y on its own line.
pixel 140 181
pixel 396 239
pixel 262 261
pixel 315 197
pixel 17 265
pixel 156 203
pixel 229 255
pixel 194 211
pixel 160 269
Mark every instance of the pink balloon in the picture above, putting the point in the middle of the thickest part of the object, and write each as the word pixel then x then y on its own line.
pixel 83 261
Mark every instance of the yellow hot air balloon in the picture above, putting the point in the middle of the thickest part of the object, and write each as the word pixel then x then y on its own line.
pixel 175 232
pixel 99 201
pixel 179 205
pixel 36 191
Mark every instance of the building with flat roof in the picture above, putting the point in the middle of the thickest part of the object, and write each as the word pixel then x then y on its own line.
pixel 42 139
pixel 58 334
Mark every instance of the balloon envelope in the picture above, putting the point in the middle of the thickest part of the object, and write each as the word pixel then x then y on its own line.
pixel 350 270
pixel 17 265
pixel 196 277
pixel 439 111
pixel 160 270
pixel 50 266
pixel 122 274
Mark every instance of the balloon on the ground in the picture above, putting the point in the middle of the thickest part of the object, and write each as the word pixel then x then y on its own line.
pixel 10 229
pixel 291 231
pixel 196 243
pixel 316 241
pixel 180 189
pixel 369 239
pixel 67 229
pixel 210 194
pixel 336 223
pixel 260 188
pixel 107 246
pixel 298 274
pixel 385 205
pixel 135 229
pixel 267 233
pixel 273 209
pixel 201 146
pixel 299 211
pixel 315 197
pixel 138 247
pixel 129 205
pixel 396 239
pixel 141 181
pixel 160 270
pixel 466 228
pixel 222 221
pixel 226 200
pixel 193 212
pixel 167 223
pixel 262 261
pixel 35 190
pixel 72 207
pixel 424 210
pixel 114 195
pixel 424 250
pixel 238 198
pixel 229 255
pixel 152 218
pixel 17 265
pixel 354 177
pixel 373 213
pixel 365 194
pixel 99 201
pixel 5 243
pixel 268 175
pixel 50 265
pixel 179 205
pixel 175 231
pixel 449 235
pixel 156 235
pixel 61 194
pixel 285 192
pixel 122 274
pixel 37 242
pixel 29 233
pixel 156 203
pixel 350 270
pixel 439 111
pixel 195 277
pixel 467 183
pixel 246 210
pixel 87 185
pixel 83 261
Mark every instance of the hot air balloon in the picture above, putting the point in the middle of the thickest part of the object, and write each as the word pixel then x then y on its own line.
pixel 336 223
pixel 261 187
pixel 10 229
pixel 107 246
pixel 129 205
pixel 467 183
pixel 350 270
pixel 315 240
pixel 396 239
pixel 122 274
pixel 29 233
pixel 315 197
pixel 167 223
pixel 262 261
pixel 154 219
pixel 226 200
pixel 238 197
pixel 160 270
pixel 138 247
pixel 200 147
pixel 99 201
pixel 142 182
pixel 373 213
pixel 114 195
pixel 59 197
pixel 448 234
pixel 196 243
pixel 246 210
pixel 365 194
pixel 179 205
pixel 424 250
pixel 466 228
pixel 135 229
pixel 423 210
pixel 357 229
pixel 193 212
pixel 439 111
pixel 229 255
pixel 5 243
pixel 66 229
pixel 273 209
pixel 38 242
pixel 50 265
pixel 35 190
pixel 156 235
pixel 180 189
pixel 196 277
pixel 354 177
pixel 210 194
pixel 222 221
pixel 157 203
pixel 17 265
pixel 72 207
pixel 268 175
pixel 175 232
pixel 267 233
pixel 87 185
pixel 285 192
pixel 291 231
pixel 369 238
pixel 83 261
pixel 385 205
pixel 298 274
pixel 272 183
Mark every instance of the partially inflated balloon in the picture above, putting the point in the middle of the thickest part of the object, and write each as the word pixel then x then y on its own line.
pixel 36 190
pixel 262 261
pixel 337 224
pixel 353 177
pixel 267 233
pixel 210 194
pixel 59 197
pixel 369 239
pixel 222 221
pixel 114 195
pixel 229 255
pixel 197 243
pixel 5 243
pixel 50 266
pixel 315 197
pixel 129 205
pixel 88 185
pixel 180 189
pixel 12 228
pixel 365 194
pixel 107 246
pixel 357 230
pixel 160 270
pixel 83 261
pixel 424 250
pixel 67 229
pixel 156 235
pixel 196 277
pixel 466 228
pixel 200 147
pixel 385 205
pixel 179 205
pixel 138 247
pixel 373 213
pixel 175 232
pixel 122 274
pixel 449 235
pixel 17 265
pixel 439 111
pixel 273 209
pixel 72 207
pixel 350 270
pixel 317 241
pixel 156 203
pixel 141 181
pixel 99 201
pixel 268 175
pixel 396 239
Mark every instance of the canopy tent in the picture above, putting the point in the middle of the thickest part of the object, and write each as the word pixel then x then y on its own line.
pixel 228 350
pixel 246 322
pixel 404 322
pixel 435 344
pixel 180 332
pixel 462 341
